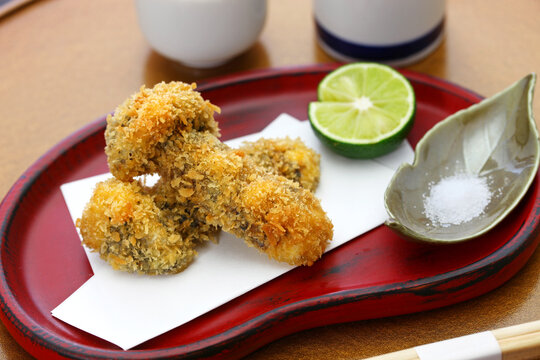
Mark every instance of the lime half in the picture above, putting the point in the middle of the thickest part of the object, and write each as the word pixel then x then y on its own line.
pixel 364 110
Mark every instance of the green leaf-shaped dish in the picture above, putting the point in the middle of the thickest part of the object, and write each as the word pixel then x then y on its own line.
pixel 496 139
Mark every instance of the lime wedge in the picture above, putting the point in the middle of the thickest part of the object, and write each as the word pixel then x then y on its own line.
pixel 364 110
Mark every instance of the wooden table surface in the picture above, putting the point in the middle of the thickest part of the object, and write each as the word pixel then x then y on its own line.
pixel 64 63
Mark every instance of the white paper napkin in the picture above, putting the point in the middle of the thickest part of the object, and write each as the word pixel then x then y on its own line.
pixel 128 309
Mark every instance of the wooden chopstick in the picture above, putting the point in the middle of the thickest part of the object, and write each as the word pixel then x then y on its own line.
pixel 519 342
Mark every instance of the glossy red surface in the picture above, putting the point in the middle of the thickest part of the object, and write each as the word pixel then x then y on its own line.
pixel 375 275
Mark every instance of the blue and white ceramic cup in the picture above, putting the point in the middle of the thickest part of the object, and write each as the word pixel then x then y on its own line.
pixel 394 32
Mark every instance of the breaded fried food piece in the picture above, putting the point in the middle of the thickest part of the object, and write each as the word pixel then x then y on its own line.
pixel 270 212
pixel 125 225
pixel 134 150
pixel 156 253
pixel 170 217
pixel 287 157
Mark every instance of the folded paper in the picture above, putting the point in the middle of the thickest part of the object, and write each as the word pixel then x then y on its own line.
pixel 128 309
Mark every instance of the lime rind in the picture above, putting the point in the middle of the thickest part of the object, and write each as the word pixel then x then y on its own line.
pixel 364 150
pixel 337 122
pixel 364 109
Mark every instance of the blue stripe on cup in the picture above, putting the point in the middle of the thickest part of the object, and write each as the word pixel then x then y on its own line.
pixel 379 53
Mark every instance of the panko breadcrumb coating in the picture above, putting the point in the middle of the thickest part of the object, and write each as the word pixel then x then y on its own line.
pixel 287 157
pixel 270 212
pixel 154 252
pixel 170 130
pixel 133 150
pixel 125 226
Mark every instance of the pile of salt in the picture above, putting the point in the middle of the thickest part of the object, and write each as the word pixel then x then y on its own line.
pixel 456 199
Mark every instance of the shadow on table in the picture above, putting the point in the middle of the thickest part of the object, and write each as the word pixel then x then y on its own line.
pixel 510 304
pixel 159 68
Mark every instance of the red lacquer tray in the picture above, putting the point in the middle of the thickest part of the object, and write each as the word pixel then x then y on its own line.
pixel 375 275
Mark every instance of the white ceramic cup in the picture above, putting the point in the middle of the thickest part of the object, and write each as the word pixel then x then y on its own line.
pixel 395 32
pixel 201 33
